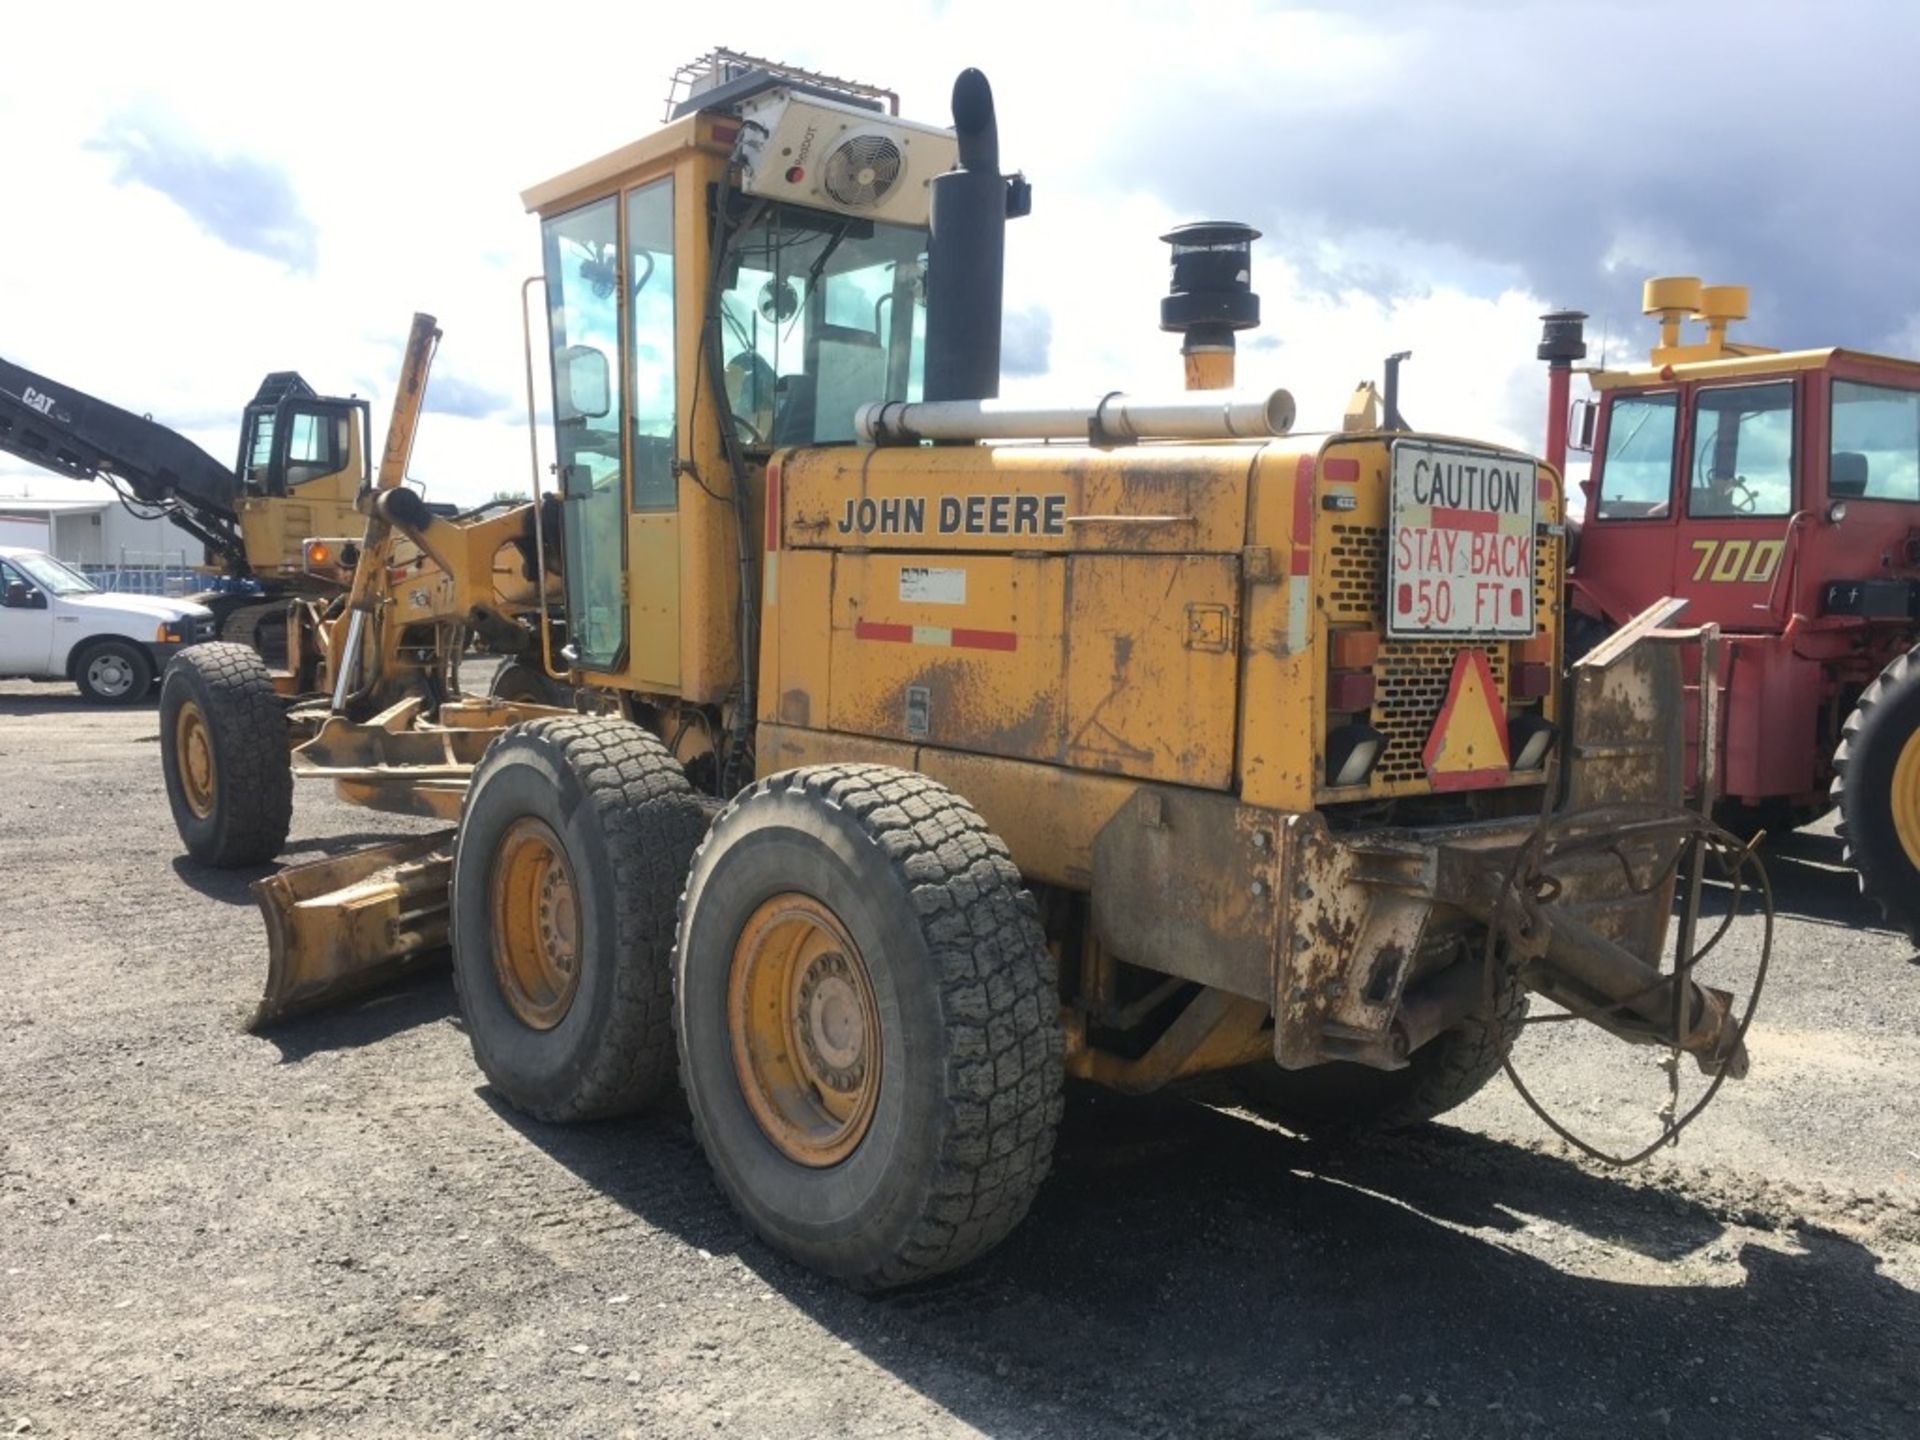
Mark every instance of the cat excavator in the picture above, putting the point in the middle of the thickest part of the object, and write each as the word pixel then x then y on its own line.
pixel 930 748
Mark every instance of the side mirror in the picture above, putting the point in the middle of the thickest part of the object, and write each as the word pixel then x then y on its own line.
pixel 22 596
pixel 1583 420
pixel 583 389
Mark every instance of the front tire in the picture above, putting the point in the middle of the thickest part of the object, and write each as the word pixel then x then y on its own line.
pixel 868 1022
pixel 573 844
pixel 113 672
pixel 1876 783
pixel 224 751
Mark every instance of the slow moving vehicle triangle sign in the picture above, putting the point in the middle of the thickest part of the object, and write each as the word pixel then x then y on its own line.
pixel 1467 747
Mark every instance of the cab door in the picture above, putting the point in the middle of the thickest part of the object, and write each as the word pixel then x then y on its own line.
pixel 26 627
pixel 583 317
pixel 1740 497
pixel 1629 536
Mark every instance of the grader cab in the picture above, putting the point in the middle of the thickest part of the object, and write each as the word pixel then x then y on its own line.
pixel 929 749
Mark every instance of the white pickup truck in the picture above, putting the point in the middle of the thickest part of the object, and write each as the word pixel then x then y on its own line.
pixel 55 624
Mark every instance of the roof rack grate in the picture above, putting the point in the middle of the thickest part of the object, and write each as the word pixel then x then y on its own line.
pixel 720 67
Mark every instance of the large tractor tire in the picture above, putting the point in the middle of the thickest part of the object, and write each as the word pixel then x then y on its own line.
pixel 113 672
pixel 573 845
pixel 868 1023
pixel 1342 1100
pixel 1876 783
pixel 224 750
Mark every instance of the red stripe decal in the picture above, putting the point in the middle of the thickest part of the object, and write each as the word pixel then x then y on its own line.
pixel 772 537
pixel 1484 522
pixel 875 630
pixel 1342 469
pixel 1468 779
pixel 986 640
pixel 1302 559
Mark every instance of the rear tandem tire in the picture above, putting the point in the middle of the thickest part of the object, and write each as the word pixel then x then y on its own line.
pixel 1342 1100
pixel 573 844
pixel 868 1021
pixel 224 750
pixel 517 681
pixel 1876 783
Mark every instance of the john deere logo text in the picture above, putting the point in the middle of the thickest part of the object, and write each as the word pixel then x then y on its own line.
pixel 957 515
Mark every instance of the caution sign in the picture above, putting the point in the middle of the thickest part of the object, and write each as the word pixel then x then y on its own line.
pixel 1460 553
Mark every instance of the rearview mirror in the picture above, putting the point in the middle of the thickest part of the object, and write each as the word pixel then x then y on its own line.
pixel 1582 421
pixel 583 389
pixel 22 596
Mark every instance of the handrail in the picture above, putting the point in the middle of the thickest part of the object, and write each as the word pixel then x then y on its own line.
pixel 533 455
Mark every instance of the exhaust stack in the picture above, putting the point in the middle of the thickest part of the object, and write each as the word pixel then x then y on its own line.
pixel 1563 340
pixel 966 251
pixel 1210 297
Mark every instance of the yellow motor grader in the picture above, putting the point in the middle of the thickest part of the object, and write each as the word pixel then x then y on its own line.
pixel 930 749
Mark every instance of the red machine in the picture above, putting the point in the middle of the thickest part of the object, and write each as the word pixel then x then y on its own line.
pixel 1779 494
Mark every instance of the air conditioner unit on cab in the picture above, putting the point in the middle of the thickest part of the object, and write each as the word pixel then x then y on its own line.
pixel 813 152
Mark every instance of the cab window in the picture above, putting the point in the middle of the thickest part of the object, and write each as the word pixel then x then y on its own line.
pixel 1636 475
pixel 259 451
pixel 316 445
pixel 820 315
pixel 1876 443
pixel 650 335
pixel 1742 451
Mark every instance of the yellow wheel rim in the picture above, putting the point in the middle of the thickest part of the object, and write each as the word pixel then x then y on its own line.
pixel 805 1030
pixel 536 925
pixel 1906 798
pixel 193 753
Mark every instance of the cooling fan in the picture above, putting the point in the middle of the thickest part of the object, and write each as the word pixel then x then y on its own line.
pixel 862 172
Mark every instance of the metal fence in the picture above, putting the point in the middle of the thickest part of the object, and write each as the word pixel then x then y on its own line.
pixel 145 572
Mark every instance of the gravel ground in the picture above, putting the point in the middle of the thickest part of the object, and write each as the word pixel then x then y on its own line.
pixel 336 1229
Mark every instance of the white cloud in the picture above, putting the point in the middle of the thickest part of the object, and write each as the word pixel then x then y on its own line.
pixel 404 137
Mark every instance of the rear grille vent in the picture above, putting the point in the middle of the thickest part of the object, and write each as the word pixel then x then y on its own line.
pixel 1357 578
pixel 1411 675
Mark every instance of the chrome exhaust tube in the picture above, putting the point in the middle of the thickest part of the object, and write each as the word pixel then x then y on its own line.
pixel 1117 419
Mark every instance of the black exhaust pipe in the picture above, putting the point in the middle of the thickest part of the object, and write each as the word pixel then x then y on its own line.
pixel 966 250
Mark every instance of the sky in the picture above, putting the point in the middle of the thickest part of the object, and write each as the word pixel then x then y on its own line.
pixel 198 194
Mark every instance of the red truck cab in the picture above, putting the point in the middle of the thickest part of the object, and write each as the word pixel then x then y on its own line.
pixel 1779 494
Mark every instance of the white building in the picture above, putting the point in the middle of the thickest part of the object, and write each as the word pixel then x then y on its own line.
pixel 84 524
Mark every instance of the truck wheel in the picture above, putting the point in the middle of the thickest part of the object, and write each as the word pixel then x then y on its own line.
pixel 573 844
pixel 113 672
pixel 528 684
pixel 868 1023
pixel 1876 783
pixel 223 749
pixel 1342 1099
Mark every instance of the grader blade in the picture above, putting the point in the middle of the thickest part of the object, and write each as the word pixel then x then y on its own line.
pixel 341 926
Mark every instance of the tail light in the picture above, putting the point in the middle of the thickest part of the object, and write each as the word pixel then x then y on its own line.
pixel 1352 751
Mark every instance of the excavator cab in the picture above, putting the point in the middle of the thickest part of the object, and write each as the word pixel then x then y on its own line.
pixel 291 437
pixel 303 458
